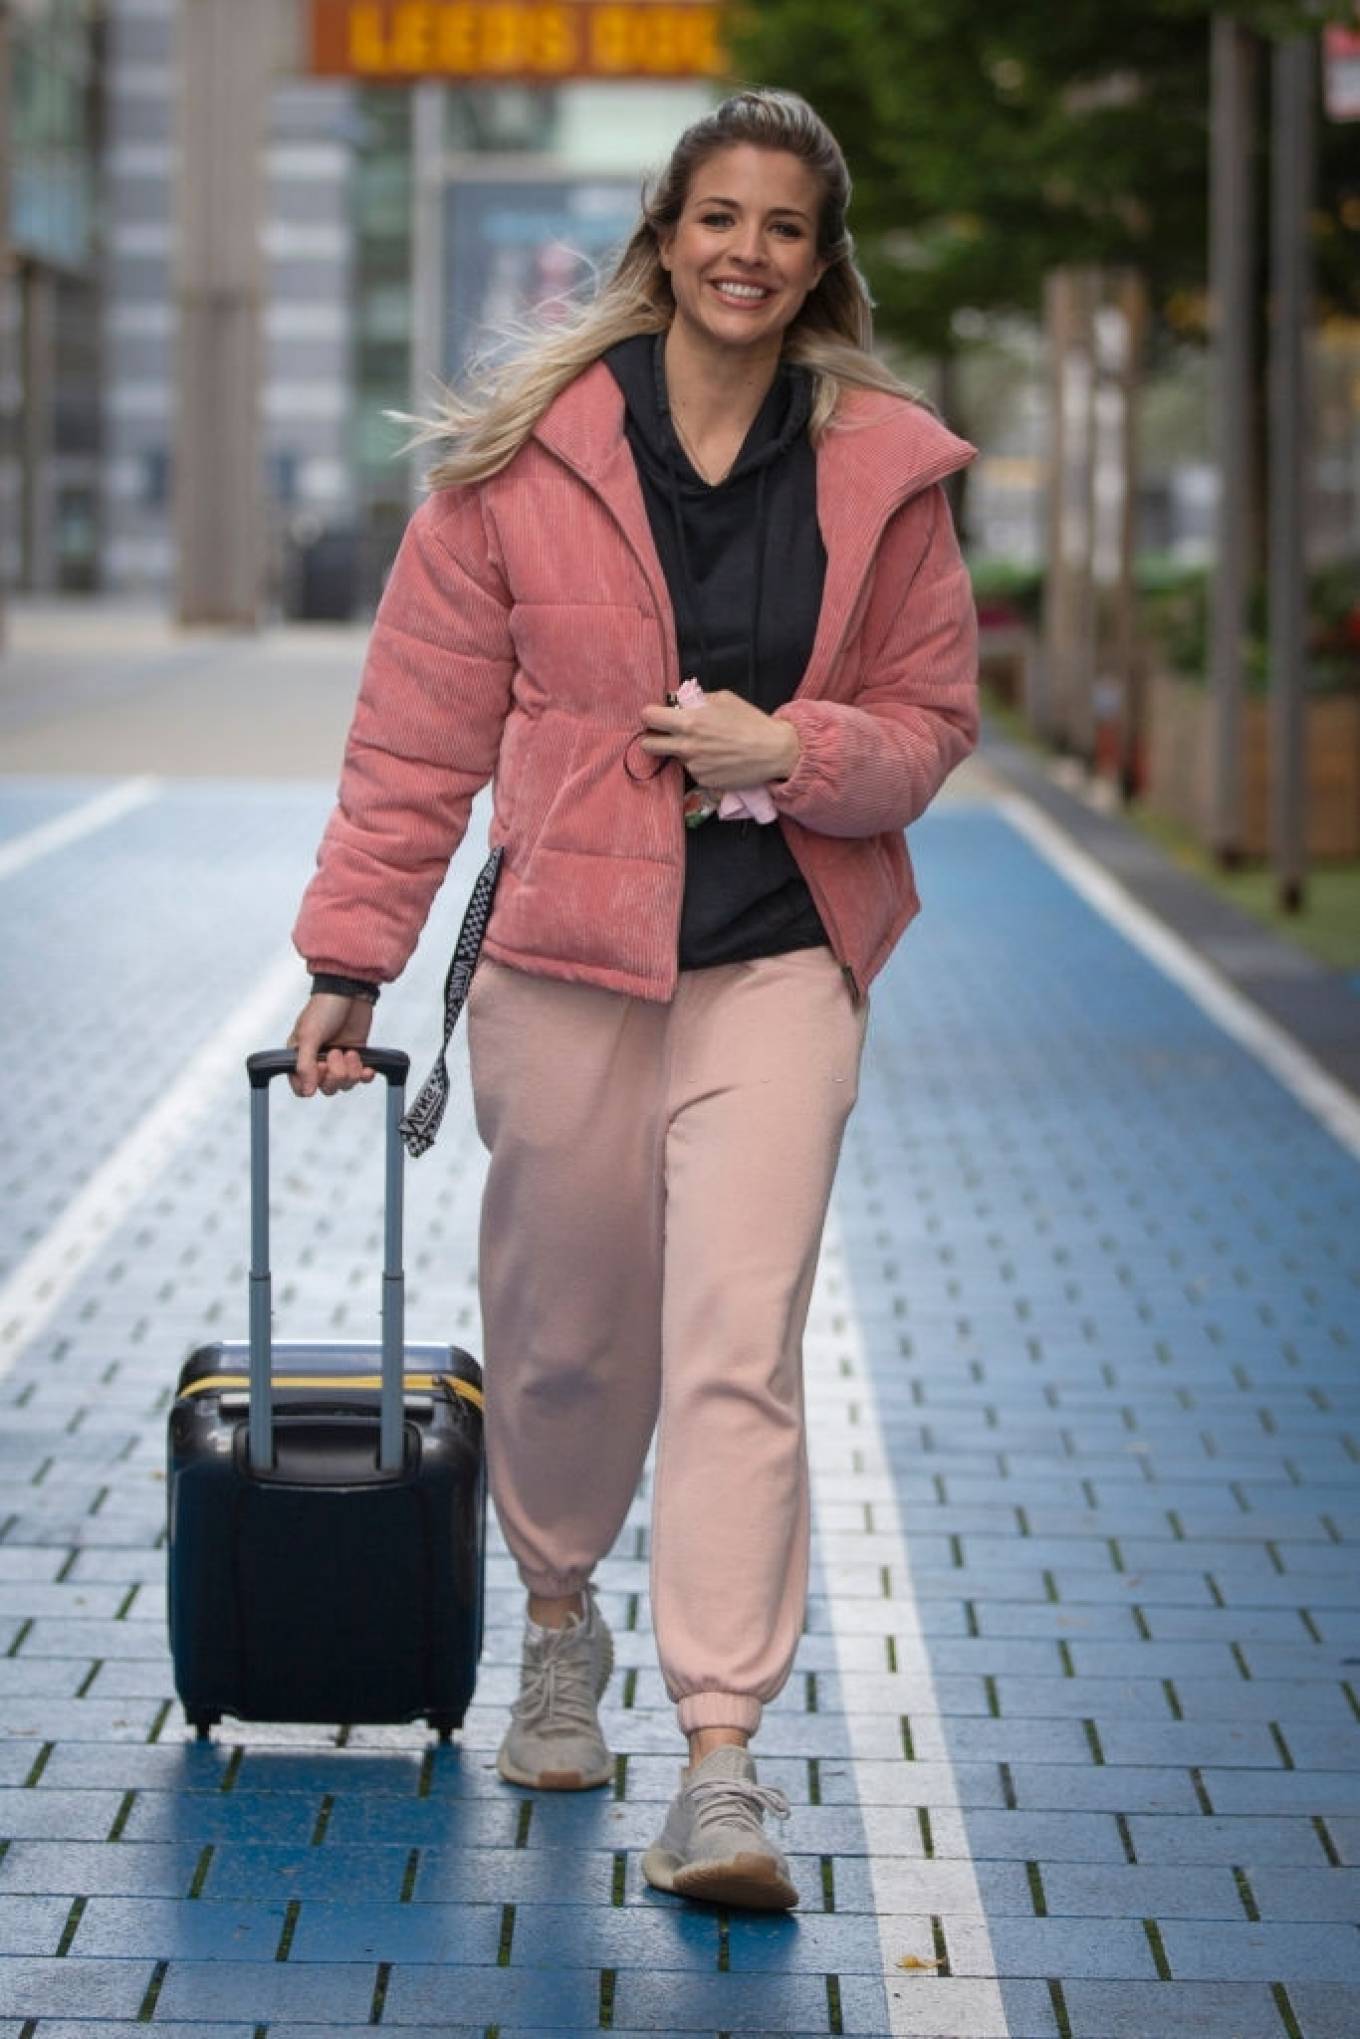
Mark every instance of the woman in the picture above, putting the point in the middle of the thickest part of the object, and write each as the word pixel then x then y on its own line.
pixel 706 477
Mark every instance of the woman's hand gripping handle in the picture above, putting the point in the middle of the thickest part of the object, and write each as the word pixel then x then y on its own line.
pixel 326 1034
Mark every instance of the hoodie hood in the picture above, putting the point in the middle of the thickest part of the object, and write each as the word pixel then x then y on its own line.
pixel 722 530
pixel 639 367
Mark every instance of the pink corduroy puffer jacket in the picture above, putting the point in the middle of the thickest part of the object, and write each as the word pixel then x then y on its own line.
pixel 523 627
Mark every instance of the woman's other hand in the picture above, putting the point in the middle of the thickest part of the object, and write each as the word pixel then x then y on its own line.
pixel 725 743
pixel 340 1027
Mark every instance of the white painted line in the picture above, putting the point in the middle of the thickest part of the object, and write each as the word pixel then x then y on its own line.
pixel 126 798
pixel 1301 1074
pixel 875 1736
pixel 37 1286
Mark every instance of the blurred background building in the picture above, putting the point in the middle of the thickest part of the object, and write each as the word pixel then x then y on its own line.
pixel 1041 221
pixel 89 316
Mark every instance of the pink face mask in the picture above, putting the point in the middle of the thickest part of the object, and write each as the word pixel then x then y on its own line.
pixel 752 803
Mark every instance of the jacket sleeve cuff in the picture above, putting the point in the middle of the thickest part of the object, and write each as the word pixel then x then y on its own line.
pixel 343 986
pixel 813 777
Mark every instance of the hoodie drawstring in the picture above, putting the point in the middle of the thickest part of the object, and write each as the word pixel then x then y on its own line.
pixel 759 585
pixel 686 568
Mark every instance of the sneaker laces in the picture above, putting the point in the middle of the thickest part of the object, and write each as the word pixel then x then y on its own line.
pixel 558 1683
pixel 719 1798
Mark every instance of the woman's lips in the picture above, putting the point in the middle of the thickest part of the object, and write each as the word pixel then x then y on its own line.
pixel 742 294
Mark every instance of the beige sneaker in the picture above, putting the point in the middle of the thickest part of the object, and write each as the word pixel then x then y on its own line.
pixel 553 1742
pixel 714 1845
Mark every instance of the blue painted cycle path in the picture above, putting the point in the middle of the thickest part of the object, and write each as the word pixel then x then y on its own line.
pixel 1070 1745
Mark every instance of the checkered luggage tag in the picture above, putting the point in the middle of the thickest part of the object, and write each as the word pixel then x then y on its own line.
pixel 421 1122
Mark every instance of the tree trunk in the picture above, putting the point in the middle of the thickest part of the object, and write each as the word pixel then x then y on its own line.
pixel 1065 706
pixel 1125 657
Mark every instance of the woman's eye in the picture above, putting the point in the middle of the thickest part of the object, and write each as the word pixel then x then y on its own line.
pixel 717 219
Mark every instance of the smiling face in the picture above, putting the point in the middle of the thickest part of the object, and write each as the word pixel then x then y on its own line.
pixel 743 255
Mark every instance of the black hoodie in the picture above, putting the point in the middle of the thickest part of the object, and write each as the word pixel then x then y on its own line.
pixel 744 563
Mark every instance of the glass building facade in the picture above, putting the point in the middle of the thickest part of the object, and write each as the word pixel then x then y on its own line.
pixel 50 317
pixel 353 325
pixel 53 59
pixel 382 324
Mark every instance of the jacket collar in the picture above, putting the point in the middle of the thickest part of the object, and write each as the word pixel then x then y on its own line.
pixel 878 453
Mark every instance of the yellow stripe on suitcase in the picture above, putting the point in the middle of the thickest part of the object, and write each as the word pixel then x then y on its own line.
pixel 426 1382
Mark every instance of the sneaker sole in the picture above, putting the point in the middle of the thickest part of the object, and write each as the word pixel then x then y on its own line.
pixel 755 1881
pixel 554 1780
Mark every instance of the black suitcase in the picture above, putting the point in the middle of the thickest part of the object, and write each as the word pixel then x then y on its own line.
pixel 327 1518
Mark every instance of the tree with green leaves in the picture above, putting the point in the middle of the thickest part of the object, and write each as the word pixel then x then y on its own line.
pixel 990 145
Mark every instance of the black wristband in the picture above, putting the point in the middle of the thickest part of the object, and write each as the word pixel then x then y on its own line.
pixel 344 987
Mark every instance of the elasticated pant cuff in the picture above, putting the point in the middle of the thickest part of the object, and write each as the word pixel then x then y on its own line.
pixel 554 1585
pixel 719 1709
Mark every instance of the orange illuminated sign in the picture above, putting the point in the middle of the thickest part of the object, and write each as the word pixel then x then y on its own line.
pixel 515 39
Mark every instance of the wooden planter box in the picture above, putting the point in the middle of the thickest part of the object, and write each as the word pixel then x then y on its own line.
pixel 1179 782
pixel 1005 658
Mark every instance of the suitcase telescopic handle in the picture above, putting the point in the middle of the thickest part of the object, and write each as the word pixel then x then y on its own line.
pixel 393 1063
pixel 262 1068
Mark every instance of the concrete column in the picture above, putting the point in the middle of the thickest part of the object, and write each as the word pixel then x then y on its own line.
pixel 1121 328
pixel 8 310
pixel 1290 274
pixel 226 58
pixel 1049 667
pixel 1232 229
pixel 428 282
pixel 38 330
pixel 1069 596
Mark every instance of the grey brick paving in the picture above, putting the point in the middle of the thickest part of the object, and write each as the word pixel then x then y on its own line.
pixel 1211 2010
pixel 37 1988
pixel 1137 1890
pixel 1041 1947
pixel 1225 1840
pixel 1305 1894
pixel 1325 2010
pixel 1241 1951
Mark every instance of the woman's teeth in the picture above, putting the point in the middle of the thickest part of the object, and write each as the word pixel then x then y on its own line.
pixel 744 293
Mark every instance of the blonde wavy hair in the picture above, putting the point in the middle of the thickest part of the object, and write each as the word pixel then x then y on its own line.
pixel 483 426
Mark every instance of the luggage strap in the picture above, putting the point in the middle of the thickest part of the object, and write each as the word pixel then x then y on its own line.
pixel 423 1382
pixel 421 1122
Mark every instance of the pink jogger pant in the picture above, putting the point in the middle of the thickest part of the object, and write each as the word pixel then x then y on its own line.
pixel 658 1184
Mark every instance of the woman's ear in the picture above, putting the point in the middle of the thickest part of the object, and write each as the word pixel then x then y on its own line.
pixel 665 243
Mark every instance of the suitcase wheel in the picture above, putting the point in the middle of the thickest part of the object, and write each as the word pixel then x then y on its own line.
pixel 203 1723
pixel 444 1724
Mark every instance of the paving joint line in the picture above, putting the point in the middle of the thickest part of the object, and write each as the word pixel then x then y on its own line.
pixel 1058 2001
